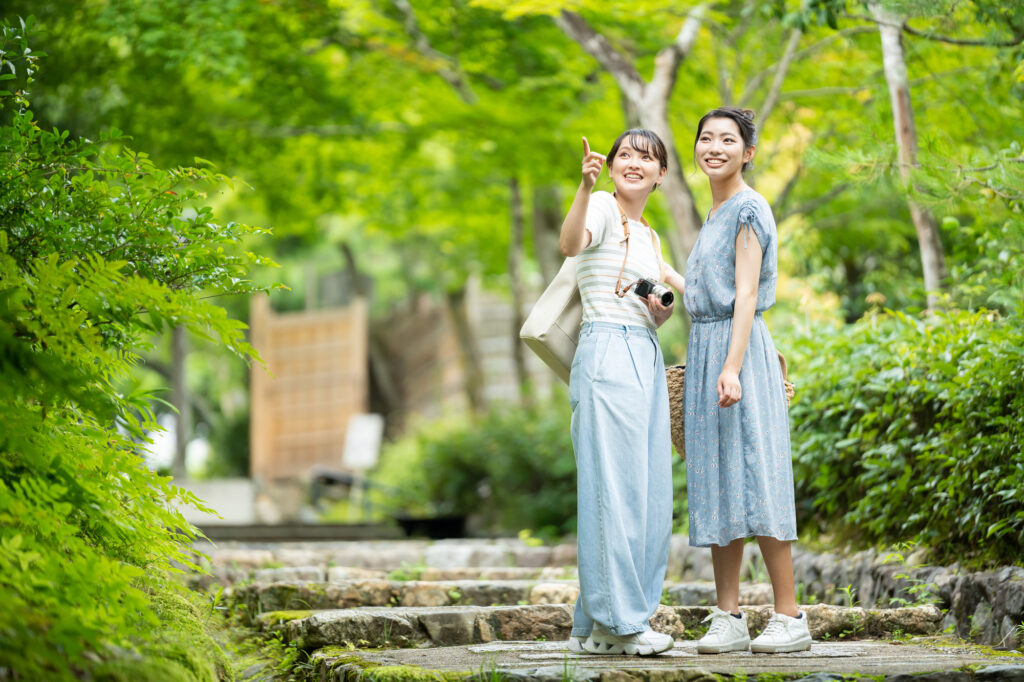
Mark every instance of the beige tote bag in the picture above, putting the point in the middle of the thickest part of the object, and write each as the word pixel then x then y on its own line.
pixel 552 328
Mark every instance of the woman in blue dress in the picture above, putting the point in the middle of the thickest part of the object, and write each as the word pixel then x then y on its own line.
pixel 738 467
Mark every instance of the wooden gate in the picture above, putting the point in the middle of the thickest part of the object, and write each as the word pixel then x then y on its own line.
pixel 317 362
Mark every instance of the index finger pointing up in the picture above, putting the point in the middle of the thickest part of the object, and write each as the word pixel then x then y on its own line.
pixel 586 146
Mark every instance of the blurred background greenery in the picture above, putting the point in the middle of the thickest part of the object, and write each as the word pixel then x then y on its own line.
pixel 420 149
pixel 400 141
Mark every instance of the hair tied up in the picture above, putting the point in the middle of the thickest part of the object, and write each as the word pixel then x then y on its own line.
pixel 747 114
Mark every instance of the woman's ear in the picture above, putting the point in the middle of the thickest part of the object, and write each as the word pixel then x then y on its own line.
pixel 748 153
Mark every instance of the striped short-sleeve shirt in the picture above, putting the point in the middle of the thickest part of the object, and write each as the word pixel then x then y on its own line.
pixel 597 266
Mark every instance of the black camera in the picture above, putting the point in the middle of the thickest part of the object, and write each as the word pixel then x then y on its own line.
pixel 646 287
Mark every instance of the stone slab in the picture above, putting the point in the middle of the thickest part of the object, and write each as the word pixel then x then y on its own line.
pixel 465 625
pixel 529 660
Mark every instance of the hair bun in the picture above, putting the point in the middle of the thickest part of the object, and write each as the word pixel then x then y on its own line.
pixel 747 114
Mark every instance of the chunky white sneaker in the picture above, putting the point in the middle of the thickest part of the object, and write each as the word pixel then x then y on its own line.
pixel 783 634
pixel 726 633
pixel 645 643
pixel 575 644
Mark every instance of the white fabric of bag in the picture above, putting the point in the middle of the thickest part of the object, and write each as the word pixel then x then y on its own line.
pixel 552 329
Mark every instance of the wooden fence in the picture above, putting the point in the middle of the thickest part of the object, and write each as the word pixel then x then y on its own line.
pixel 318 379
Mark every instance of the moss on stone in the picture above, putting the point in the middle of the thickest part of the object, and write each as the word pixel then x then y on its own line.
pixel 353 667
pixel 278 617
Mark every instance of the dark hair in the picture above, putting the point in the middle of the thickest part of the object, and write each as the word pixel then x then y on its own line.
pixel 644 141
pixel 744 119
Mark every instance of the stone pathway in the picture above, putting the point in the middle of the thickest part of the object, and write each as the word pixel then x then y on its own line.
pixel 463 625
pixel 502 609
pixel 543 661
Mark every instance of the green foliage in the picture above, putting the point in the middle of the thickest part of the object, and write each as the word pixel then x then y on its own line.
pixel 513 468
pixel 915 435
pixel 99 249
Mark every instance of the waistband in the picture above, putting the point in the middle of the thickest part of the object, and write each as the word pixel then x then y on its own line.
pixel 705 319
pixel 626 330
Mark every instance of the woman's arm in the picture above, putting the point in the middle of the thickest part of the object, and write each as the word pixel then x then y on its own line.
pixel 748 275
pixel 574 236
pixel 674 279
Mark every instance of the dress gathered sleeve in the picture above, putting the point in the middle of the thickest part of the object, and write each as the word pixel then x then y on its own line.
pixel 750 219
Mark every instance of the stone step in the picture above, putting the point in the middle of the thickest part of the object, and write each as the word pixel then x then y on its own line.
pixel 226 576
pixel 256 598
pixel 387 555
pixel 934 659
pixel 464 625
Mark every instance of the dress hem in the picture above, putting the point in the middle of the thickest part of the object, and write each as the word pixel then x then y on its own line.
pixel 749 534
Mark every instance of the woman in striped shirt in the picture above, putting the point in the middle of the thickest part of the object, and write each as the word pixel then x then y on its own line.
pixel 619 399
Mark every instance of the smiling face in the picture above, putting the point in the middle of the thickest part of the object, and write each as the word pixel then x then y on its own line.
pixel 720 150
pixel 634 165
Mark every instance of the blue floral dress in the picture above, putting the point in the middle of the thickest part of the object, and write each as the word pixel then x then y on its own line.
pixel 739 470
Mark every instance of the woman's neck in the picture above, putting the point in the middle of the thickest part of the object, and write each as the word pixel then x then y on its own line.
pixel 722 189
pixel 632 205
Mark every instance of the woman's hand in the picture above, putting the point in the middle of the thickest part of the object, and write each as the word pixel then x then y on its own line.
pixel 659 312
pixel 729 389
pixel 592 163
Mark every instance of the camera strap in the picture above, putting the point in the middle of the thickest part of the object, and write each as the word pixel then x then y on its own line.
pixel 619 290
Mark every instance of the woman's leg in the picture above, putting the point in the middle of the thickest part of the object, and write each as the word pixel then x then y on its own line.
pixel 778 559
pixel 727 560
pixel 612 476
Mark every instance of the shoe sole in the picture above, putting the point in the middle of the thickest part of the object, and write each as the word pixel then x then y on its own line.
pixel 626 649
pixel 575 646
pixel 780 648
pixel 723 648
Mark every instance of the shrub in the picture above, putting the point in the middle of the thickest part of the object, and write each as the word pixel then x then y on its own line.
pixel 512 469
pixel 99 249
pixel 910 428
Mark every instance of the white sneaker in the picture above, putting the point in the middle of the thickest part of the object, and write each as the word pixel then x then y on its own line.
pixel 575 644
pixel 645 643
pixel 726 633
pixel 783 634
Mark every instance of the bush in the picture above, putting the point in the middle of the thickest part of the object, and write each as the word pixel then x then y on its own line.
pixel 99 250
pixel 512 469
pixel 910 429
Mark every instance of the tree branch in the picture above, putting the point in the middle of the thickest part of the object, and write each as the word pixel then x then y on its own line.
pixel 724 87
pixel 598 47
pixel 449 67
pixel 849 90
pixel 782 199
pixel 666 64
pixel 780 75
pixel 755 83
pixel 817 202
pixel 334 130
pixel 966 42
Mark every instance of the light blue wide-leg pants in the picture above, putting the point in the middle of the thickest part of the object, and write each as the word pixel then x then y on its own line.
pixel 620 433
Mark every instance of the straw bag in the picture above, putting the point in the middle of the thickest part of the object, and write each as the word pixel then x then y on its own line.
pixel 675 375
pixel 552 329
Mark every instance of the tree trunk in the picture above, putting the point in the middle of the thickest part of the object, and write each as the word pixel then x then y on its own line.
pixel 647 101
pixel 179 398
pixel 932 260
pixel 380 368
pixel 515 259
pixel 547 222
pixel 677 192
pixel 470 348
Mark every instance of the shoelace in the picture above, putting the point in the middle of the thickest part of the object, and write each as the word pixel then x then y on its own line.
pixel 718 623
pixel 776 626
